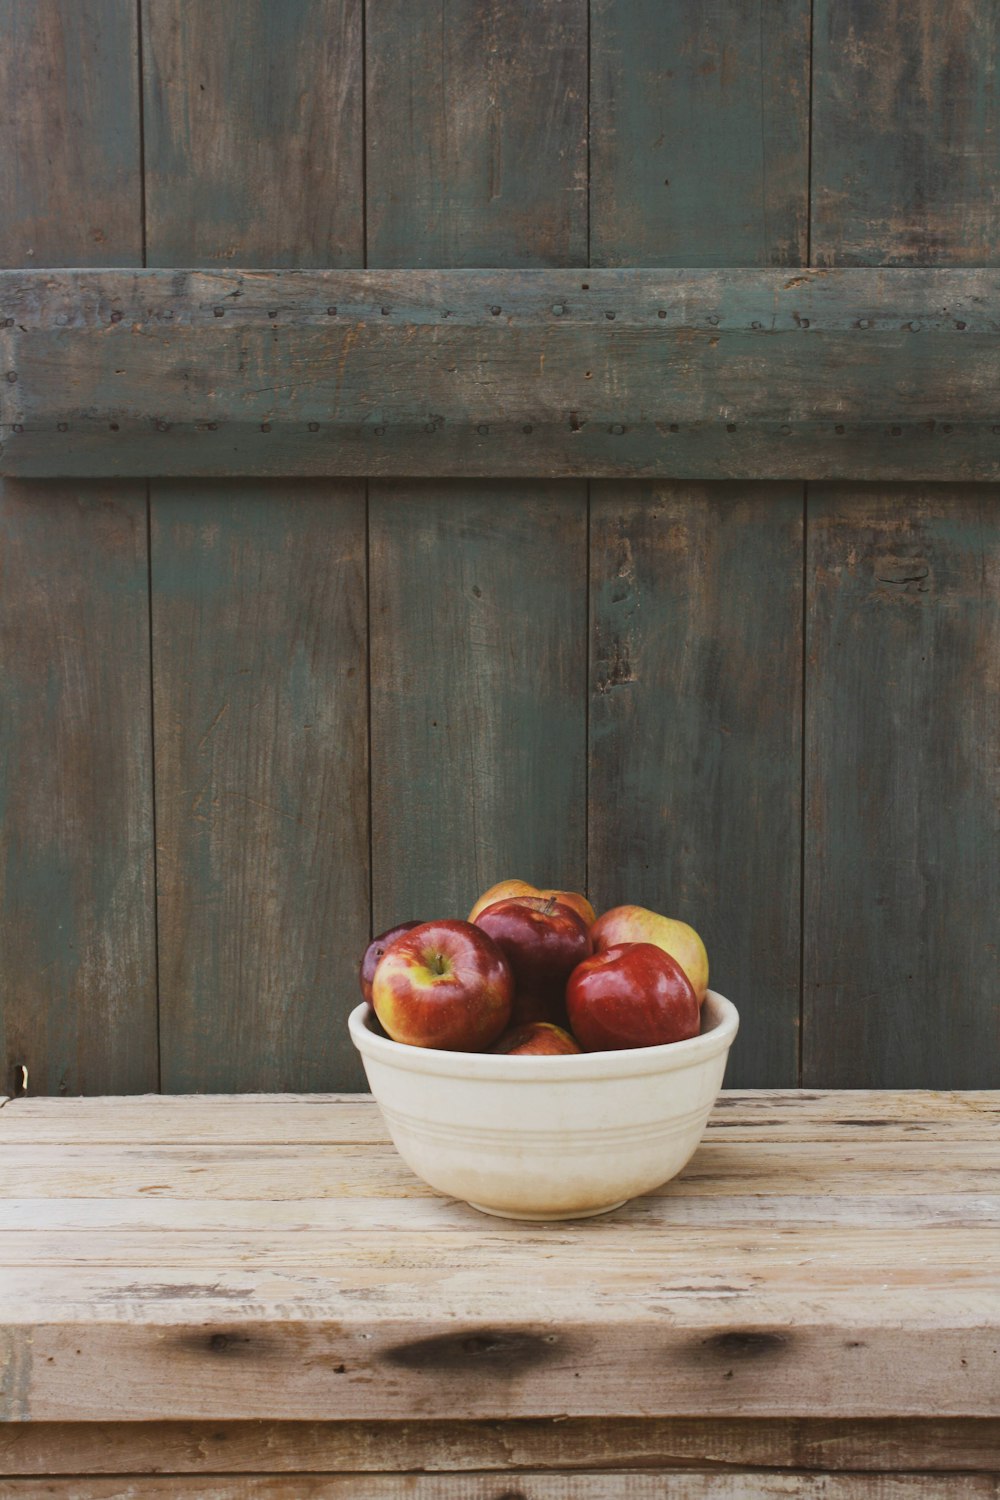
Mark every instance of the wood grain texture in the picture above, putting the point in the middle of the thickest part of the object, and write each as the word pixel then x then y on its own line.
pixel 77 948
pixel 254 152
pixel 699 157
pixel 69 138
pixel 695 752
pixel 307 1309
pixel 902 788
pixel 752 374
pixel 682 1485
pixel 261 751
pixel 478 635
pixel 476 133
pixel 626 1443
pixel 477 592
pixel 700 129
pixel 253 133
pixel 905 133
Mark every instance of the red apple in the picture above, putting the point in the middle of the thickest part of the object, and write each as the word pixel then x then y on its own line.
pixel 543 940
pixel 636 924
pixel 631 996
pixel 539 1039
pixel 506 888
pixel 374 951
pixel 443 984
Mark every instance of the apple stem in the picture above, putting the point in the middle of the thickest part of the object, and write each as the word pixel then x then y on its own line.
pixel 437 963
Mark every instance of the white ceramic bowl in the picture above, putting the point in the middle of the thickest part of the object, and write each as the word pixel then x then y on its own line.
pixel 547 1137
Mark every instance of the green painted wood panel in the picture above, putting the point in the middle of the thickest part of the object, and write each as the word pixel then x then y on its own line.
pixel 906 133
pixel 696 605
pixel 680 373
pixel 900 937
pixel 903 788
pixel 70 171
pixel 695 724
pixel 700 132
pixel 77 944
pixel 253 132
pixel 477 601
pixel 478 625
pixel 261 794
pixel 254 153
pixel 476 133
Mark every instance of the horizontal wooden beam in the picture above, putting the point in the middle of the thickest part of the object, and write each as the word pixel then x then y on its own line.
pixel 852 374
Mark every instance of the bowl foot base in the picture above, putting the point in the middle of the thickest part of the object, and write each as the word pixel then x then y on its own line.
pixel 541 1218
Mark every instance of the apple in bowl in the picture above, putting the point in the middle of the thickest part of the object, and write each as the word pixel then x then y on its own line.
pixel 443 984
pixel 634 995
pixel 507 888
pixel 637 924
pixel 543 940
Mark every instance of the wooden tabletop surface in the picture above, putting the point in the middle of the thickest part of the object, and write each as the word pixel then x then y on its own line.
pixel 830 1254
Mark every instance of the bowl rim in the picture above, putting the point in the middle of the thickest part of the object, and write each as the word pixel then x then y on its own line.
pixel 585 1066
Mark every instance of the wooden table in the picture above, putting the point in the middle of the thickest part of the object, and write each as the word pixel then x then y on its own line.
pixel 257 1286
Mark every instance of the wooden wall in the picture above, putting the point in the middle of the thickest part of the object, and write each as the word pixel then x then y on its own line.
pixel 244 724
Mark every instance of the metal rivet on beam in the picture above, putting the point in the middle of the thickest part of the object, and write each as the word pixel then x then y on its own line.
pixel 959 324
pixel 482 429
pixel 380 432
pixel 314 427
pixel 386 311
pixel 12 376
pixel 616 428
pixel 730 426
pixel 495 311
pixel 839 429
pixel 331 312
pixel 220 312
pixel 674 427
pixel 114 426
pixel 116 316
pixel 610 316
pixel 662 313
pixel 18 427
pixel 265 427
pixel 62 426
pixel 947 427
pixel 528 428
pixel 559 308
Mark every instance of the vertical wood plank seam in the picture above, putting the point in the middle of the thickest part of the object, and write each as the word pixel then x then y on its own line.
pixel 588 665
pixel 152 789
pixel 809 149
pixel 802 780
pixel 142 146
pixel 368 551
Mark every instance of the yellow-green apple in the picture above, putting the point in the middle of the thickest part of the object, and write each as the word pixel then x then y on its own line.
pixel 374 951
pixel 634 995
pixel 443 984
pixel 636 924
pixel 505 888
pixel 543 940
pixel 538 1039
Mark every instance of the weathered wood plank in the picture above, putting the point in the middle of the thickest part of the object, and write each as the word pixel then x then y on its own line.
pixel 679 1485
pixel 476 133
pixel 77 955
pixel 261 751
pixel 477 591
pixel 375 1171
pixel 77 948
pixel 893 1444
pixel 763 1115
pixel 902 787
pixel 695 756
pixel 844 373
pixel 201 1361
pixel 906 133
pixel 700 128
pixel 478 635
pixel 253 133
pixel 69 137
pixel 254 151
